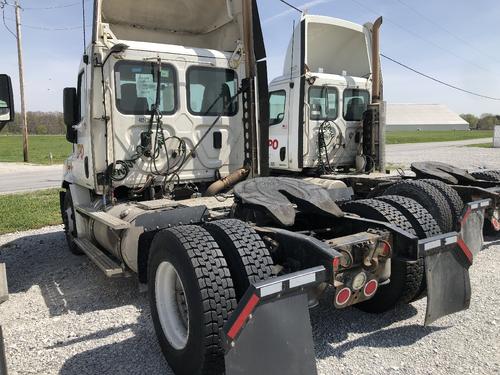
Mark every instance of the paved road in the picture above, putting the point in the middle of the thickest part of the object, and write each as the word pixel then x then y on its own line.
pixel 435 145
pixel 16 177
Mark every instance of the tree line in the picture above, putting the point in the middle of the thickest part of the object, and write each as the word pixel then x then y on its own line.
pixel 486 121
pixel 53 123
pixel 39 123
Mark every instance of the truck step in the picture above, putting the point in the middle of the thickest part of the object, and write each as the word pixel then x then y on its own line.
pixel 104 218
pixel 101 260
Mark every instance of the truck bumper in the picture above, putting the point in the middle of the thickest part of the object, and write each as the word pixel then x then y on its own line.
pixel 447 262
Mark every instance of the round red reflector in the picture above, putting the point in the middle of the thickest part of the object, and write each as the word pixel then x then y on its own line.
pixel 343 296
pixel 370 288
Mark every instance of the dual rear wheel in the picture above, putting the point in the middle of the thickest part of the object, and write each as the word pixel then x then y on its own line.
pixel 196 276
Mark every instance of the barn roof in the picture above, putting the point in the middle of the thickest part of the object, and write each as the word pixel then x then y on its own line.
pixel 422 114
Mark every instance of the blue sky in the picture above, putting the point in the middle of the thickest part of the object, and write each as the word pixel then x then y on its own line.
pixel 455 41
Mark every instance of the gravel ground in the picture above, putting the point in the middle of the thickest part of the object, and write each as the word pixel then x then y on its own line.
pixel 65 317
pixel 447 152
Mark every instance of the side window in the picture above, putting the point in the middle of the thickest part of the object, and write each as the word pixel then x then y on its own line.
pixel 136 85
pixel 81 92
pixel 277 105
pixel 355 104
pixel 211 91
pixel 323 103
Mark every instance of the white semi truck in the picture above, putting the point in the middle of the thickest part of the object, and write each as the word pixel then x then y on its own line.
pixel 171 110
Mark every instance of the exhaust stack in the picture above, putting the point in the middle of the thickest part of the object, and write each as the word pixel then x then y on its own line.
pixel 376 79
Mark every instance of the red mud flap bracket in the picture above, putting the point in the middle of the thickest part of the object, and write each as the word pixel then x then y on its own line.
pixel 447 261
pixel 270 332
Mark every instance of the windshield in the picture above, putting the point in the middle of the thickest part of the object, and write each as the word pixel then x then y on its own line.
pixel 136 84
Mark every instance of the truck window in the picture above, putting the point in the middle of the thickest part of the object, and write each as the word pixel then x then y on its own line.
pixel 355 104
pixel 277 104
pixel 323 103
pixel 210 91
pixel 136 84
pixel 81 92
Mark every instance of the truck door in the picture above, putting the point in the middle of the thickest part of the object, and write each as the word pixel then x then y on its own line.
pixel 278 128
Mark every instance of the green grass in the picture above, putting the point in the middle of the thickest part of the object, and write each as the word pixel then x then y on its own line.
pixel 40 146
pixel 482 145
pixel 435 136
pixel 29 210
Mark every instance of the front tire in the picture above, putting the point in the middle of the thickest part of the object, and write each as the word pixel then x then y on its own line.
pixel 191 296
pixel 69 221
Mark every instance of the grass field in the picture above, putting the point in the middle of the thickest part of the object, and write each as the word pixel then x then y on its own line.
pixel 40 146
pixel 29 210
pixel 436 136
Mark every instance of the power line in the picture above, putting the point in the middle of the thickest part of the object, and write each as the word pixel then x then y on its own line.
pixel 2 6
pixel 425 17
pixel 44 28
pixel 420 37
pixel 438 80
pixel 52 7
pixel 291 6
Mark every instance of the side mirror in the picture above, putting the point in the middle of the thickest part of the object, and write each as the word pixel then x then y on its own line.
pixel 7 111
pixel 71 113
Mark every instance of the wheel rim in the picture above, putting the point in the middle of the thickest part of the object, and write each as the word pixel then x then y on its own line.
pixel 171 304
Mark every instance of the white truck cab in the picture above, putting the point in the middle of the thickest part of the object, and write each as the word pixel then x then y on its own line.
pixel 115 126
pixel 317 105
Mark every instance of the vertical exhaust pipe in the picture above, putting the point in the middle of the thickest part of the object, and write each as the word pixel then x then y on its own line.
pixel 376 79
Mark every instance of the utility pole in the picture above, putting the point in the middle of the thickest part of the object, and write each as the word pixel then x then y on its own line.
pixel 24 116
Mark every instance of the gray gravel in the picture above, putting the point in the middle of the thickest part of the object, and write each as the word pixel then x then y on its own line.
pixel 65 317
pixel 454 153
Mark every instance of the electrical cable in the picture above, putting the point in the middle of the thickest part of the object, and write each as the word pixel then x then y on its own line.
pixel 291 6
pixel 53 7
pixel 438 80
pixel 420 37
pixel 439 26
pixel 2 6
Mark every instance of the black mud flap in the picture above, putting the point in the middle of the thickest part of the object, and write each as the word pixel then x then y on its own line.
pixel 447 261
pixel 270 332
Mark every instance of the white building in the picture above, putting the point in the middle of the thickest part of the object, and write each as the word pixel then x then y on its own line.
pixel 411 117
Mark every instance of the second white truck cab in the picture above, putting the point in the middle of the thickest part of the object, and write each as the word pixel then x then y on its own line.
pixel 317 105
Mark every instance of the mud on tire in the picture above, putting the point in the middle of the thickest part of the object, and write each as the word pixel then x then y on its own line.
pixel 246 254
pixel 207 291
pixel 429 197
pixel 406 278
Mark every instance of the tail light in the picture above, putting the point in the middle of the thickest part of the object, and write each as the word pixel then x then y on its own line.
pixel 370 288
pixel 343 296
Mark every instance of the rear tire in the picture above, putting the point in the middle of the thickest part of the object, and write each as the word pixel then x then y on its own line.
pixel 452 197
pixel 189 314
pixel 492 176
pixel 406 278
pixel 424 225
pixel 429 197
pixel 246 254
pixel 69 221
